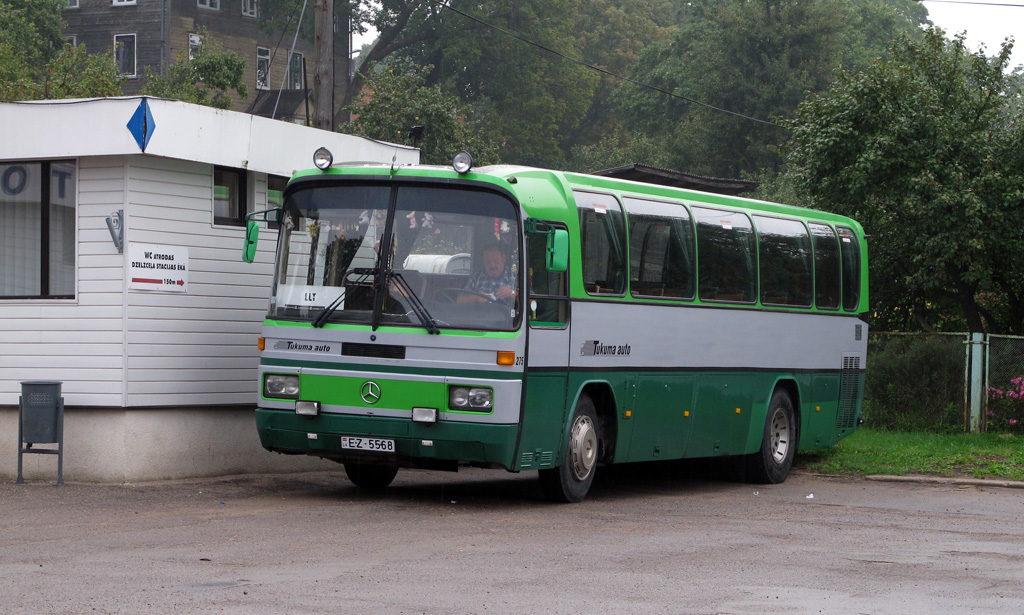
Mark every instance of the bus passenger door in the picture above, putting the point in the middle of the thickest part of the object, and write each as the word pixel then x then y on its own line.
pixel 547 359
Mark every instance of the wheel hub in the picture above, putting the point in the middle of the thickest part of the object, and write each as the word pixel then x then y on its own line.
pixel 582 447
pixel 779 435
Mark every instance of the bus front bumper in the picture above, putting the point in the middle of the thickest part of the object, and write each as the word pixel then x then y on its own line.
pixel 441 445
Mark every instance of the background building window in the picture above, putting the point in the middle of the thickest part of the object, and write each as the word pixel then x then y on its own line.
pixel 213 5
pixel 262 68
pixel 249 8
pixel 72 4
pixel 37 230
pixel 120 2
pixel 295 72
pixel 229 196
pixel 194 41
pixel 124 52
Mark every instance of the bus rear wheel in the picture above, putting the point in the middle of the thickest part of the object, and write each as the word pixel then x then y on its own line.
pixel 370 476
pixel 772 463
pixel 571 480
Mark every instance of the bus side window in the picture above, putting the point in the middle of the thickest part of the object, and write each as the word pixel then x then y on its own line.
pixel 784 257
pixel 548 298
pixel 660 250
pixel 726 256
pixel 850 251
pixel 602 244
pixel 826 267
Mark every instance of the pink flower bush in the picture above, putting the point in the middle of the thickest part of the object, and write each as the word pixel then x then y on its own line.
pixel 1014 392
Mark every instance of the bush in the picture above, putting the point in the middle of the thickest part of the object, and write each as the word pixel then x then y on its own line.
pixel 915 383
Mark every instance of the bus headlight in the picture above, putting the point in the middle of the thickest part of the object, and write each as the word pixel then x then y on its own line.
pixel 281 386
pixel 474 399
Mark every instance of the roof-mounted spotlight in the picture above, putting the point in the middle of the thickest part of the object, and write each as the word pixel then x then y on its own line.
pixel 323 159
pixel 462 162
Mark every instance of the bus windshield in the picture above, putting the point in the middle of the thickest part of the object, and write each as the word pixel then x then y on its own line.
pixel 454 257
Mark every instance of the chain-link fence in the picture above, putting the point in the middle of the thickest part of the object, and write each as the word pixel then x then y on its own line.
pixel 916 382
pixel 920 382
pixel 1005 361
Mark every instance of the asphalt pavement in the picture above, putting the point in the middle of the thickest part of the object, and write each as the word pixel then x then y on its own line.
pixel 650 538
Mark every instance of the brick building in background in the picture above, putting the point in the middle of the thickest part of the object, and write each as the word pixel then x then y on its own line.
pixel 153 33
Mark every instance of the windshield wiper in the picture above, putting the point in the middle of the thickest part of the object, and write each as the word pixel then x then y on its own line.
pixel 417 305
pixel 321 318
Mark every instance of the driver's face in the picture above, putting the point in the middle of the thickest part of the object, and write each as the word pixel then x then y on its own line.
pixel 494 263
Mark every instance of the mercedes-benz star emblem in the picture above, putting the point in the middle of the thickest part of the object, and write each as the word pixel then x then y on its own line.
pixel 370 392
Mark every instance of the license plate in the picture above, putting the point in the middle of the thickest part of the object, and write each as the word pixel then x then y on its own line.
pixel 368 444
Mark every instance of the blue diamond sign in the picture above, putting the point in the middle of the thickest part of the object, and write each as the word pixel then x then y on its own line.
pixel 142 125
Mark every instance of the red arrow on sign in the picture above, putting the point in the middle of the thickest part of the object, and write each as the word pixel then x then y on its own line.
pixel 181 282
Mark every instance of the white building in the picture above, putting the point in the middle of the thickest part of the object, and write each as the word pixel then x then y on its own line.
pixel 157 356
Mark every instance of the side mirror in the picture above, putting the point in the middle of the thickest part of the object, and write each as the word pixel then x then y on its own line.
pixel 558 250
pixel 252 235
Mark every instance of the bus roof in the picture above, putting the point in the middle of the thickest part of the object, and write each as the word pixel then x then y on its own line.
pixel 545 193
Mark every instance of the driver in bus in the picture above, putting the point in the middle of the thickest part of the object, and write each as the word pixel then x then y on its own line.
pixel 492 283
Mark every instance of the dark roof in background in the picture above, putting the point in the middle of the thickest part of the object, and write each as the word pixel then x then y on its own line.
pixel 292 104
pixel 678 179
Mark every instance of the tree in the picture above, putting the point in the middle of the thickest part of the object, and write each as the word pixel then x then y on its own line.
pixel 204 79
pixel 396 98
pixel 530 98
pixel 926 150
pixel 36 64
pixel 757 58
pixel 611 34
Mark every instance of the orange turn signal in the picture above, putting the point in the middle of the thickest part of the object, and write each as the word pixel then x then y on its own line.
pixel 506 357
pixel 261 342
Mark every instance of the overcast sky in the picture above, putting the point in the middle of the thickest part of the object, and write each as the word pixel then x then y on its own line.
pixel 986 21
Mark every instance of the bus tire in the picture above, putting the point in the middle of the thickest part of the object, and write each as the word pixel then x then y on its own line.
pixel 571 480
pixel 370 476
pixel 771 464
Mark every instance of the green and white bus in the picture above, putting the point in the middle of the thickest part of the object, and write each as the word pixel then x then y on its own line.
pixel 644 323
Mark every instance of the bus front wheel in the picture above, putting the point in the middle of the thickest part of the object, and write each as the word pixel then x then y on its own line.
pixel 772 463
pixel 370 476
pixel 571 480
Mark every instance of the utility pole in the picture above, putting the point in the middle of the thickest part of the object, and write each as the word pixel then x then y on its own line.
pixel 323 82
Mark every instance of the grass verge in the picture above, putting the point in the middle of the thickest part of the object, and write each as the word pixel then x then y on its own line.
pixel 994 456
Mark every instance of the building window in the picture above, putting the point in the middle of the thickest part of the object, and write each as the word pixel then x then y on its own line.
pixel 275 195
pixel 194 41
pixel 249 8
pixel 71 39
pixel 275 190
pixel 295 72
pixel 72 4
pixel 262 68
pixel 213 5
pixel 124 52
pixel 37 230
pixel 229 196
pixel 120 2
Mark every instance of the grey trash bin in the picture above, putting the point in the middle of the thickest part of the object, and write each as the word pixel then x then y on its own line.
pixel 41 421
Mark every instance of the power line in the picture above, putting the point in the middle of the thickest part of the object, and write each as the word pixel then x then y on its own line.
pixel 598 68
